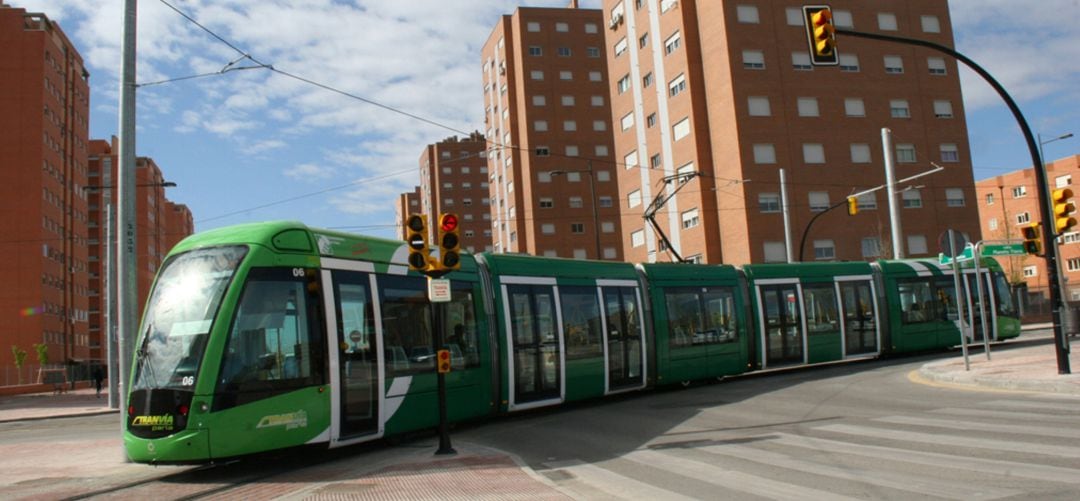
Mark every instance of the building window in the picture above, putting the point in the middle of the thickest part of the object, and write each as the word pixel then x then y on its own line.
pixel 769 202
pixel 930 24
pixel 916 244
pixel 677 85
pixel 684 172
pixel 1063 181
pixel 747 14
pixel 871 247
pixel 605 202
pixel 631 159
pixel 627 121
pixel 601 150
pixel 954 197
pixel 1031 271
pixel 681 129
pixel 1023 218
pixel 562 27
pixel 620 47
pixel 672 43
pixel 764 154
pixel 800 61
pixel 577 228
pixel 936 65
pixel 666 5
pixel 905 153
pixel 540 125
pixel 819 201
pixel 592 51
pixel 624 84
pixel 536 50
pixel 647 79
pixel 813 153
pixel 753 59
pixel 912 199
pixel 775 252
pixel 576 203
pixel 603 176
pixel 533 26
pixel 654 161
pixel 1019 192
pixel 596 76
pixel 794 16
pixel 867 201
pixel 849 63
pixel 886 21
pixel 843 19
pixel 824 250
pixel 860 153
pixel 992 224
pixel 759 106
pixel 599 125
pixel 690 219
pixel 567 100
pixel 637 238
pixel 590 28
pixel 564 51
pixel 650 120
pixel 607 227
pixel 949 153
pixel 894 65
pixel 569 125
pixel 989 199
pixel 566 75
pixel 943 109
pixel 536 75
pixel 539 101
pixel 898 108
pixel 808 107
pixel 543 151
pixel 547 229
pixel 596 100
pixel 854 107
pixel 633 199
pixel 643 40
pixel 571 151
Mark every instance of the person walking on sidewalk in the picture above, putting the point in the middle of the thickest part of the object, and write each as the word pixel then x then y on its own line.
pixel 98 377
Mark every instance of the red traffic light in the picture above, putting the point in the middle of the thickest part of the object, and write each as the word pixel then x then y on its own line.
pixel 448 222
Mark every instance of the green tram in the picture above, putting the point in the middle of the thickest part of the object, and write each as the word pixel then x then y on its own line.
pixel 274 335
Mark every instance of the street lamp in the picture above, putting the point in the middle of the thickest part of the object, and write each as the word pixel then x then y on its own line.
pixel 115 362
pixel 592 201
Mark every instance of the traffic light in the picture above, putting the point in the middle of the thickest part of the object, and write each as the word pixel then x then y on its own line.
pixel 852 206
pixel 1063 210
pixel 449 242
pixel 1032 234
pixel 443 358
pixel 416 238
pixel 821 34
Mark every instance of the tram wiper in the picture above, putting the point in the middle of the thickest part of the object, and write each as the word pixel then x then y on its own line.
pixel 143 357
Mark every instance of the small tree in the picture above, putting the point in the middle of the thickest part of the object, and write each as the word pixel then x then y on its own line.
pixel 20 359
pixel 42 354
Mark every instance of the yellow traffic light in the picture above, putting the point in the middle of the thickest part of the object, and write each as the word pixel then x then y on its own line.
pixel 416 239
pixel 449 242
pixel 821 34
pixel 852 206
pixel 1064 208
pixel 443 359
pixel 1032 234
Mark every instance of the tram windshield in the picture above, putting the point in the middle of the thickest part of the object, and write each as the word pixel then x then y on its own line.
pixel 1005 305
pixel 181 310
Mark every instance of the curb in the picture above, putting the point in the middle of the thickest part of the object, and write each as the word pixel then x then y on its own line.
pixel 59 416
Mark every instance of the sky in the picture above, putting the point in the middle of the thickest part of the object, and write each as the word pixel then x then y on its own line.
pixel 251 144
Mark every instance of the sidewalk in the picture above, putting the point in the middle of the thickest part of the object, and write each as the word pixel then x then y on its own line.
pixel 80 402
pixel 1020 368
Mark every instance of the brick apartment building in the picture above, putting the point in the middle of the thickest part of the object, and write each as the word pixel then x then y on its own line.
pixel 160 224
pixel 454 178
pixel 726 89
pixel 547 118
pixel 44 109
pixel 1009 202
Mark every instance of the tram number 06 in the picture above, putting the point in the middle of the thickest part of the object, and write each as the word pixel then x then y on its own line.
pixel 299 272
pixel 187 381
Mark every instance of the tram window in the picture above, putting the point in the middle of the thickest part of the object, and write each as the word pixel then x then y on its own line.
pixel 946 294
pixel 822 314
pixel 460 334
pixel 1005 305
pixel 700 316
pixel 918 303
pixel 406 321
pixel 274 344
pixel 581 322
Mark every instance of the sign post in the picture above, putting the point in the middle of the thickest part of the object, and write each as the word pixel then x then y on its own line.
pixel 951 244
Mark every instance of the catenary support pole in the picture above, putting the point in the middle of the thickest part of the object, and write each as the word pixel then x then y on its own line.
pixel 891 195
pixel 787 218
pixel 125 245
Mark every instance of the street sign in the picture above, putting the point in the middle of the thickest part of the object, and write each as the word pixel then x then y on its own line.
pixel 991 250
pixel 966 255
pixel 439 290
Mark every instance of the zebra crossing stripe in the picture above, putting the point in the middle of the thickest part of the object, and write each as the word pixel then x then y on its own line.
pixel 1006 415
pixel 1035 405
pixel 952 424
pixel 938 439
pixel 879 478
pixel 729 479
pixel 934 459
pixel 612 483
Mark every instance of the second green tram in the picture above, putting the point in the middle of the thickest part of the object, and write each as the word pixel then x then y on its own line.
pixel 273 335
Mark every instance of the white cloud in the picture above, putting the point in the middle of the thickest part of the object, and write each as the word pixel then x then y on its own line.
pixel 309 172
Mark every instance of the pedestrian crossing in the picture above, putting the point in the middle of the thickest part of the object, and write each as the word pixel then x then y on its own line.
pixel 994 450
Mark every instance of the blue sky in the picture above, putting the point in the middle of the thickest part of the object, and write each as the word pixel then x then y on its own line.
pixel 254 145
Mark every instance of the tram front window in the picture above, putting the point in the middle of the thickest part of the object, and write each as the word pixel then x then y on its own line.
pixel 179 314
pixel 1005 305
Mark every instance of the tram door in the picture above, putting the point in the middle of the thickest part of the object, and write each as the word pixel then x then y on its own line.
pixel 782 324
pixel 624 338
pixel 973 304
pixel 860 319
pixel 536 359
pixel 357 351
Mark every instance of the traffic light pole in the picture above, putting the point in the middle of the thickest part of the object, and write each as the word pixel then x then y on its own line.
pixel 1045 210
pixel 444 428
